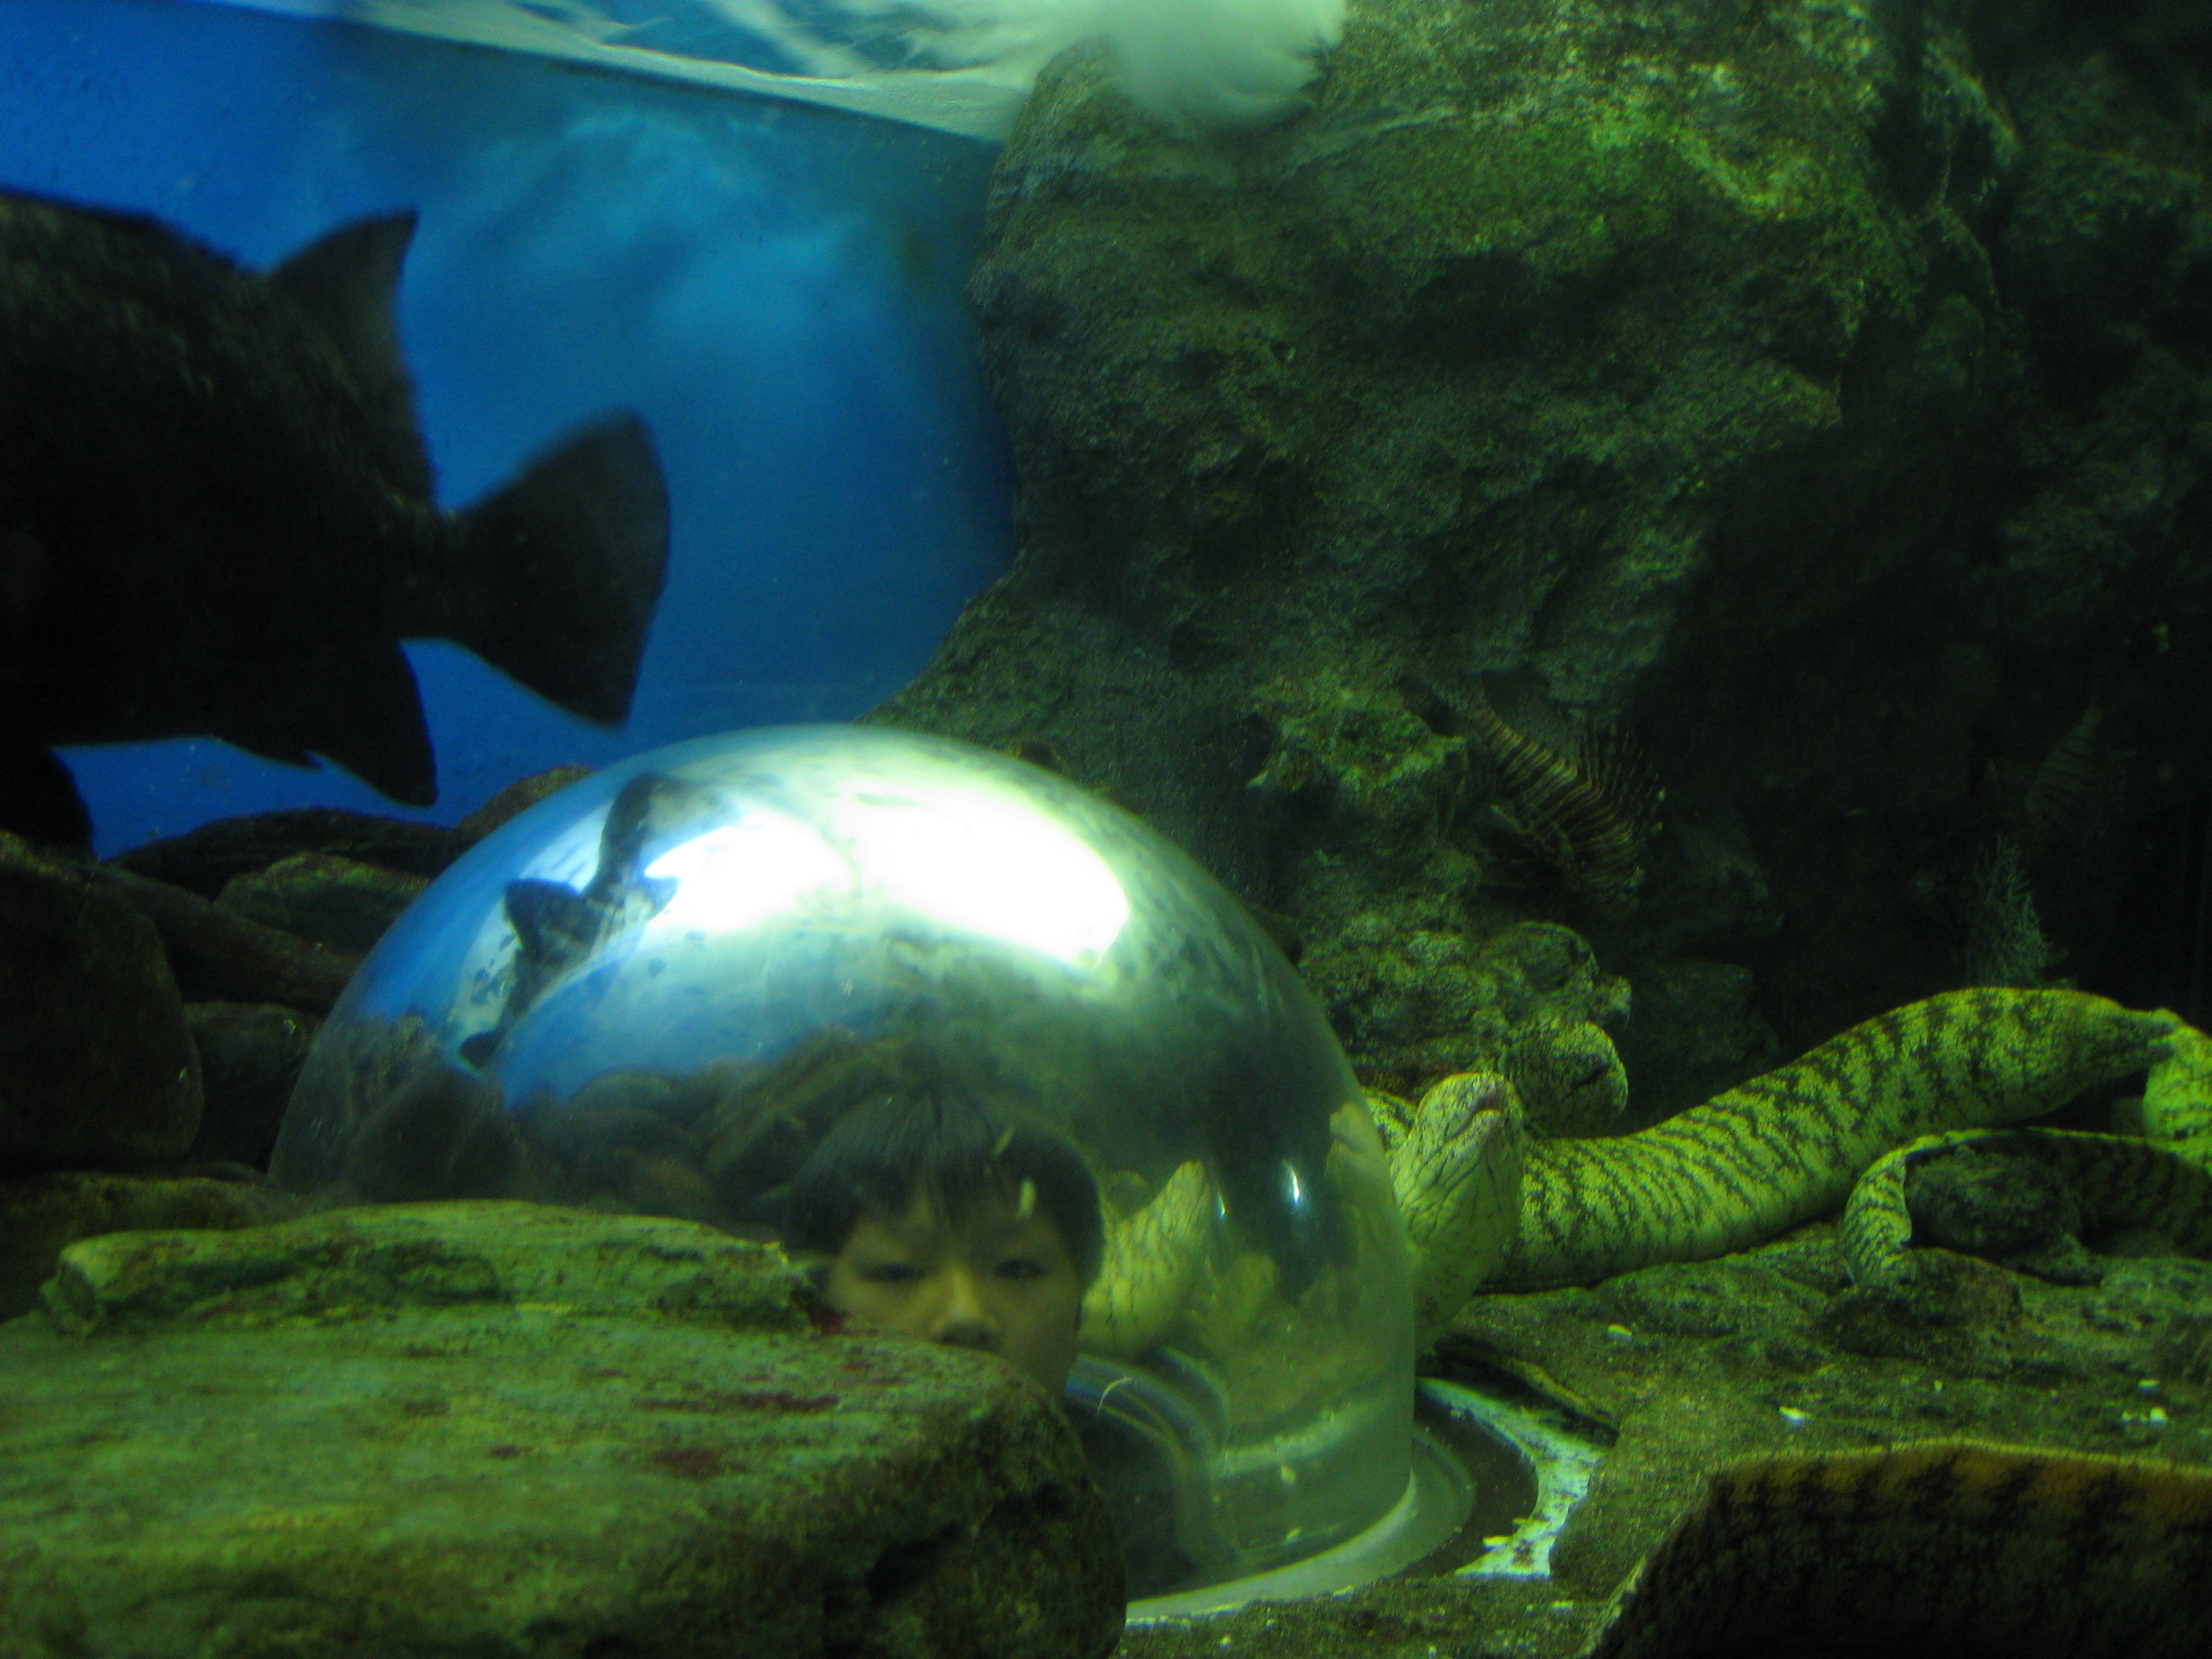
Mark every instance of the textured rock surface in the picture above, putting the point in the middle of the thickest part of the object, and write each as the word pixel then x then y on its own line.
pixel 337 901
pixel 517 799
pixel 250 1057
pixel 96 1066
pixel 1736 372
pixel 208 857
pixel 40 1215
pixel 500 1429
pixel 218 955
pixel 1692 1367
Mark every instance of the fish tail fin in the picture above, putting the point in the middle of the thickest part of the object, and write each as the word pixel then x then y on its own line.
pixel 561 569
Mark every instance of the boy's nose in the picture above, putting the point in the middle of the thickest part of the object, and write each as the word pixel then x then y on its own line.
pixel 964 1321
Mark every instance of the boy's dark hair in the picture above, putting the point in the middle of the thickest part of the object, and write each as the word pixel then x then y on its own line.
pixel 956 1150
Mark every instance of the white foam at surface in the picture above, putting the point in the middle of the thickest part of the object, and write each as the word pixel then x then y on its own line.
pixel 959 66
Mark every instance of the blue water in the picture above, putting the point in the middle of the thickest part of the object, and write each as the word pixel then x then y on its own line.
pixel 776 287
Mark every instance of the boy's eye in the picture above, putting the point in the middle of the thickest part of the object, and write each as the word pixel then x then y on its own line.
pixel 1021 1266
pixel 890 1273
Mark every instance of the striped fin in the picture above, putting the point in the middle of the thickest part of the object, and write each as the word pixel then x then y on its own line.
pixel 1787 1146
pixel 1959 1548
pixel 1589 816
pixel 2074 797
pixel 2119 1181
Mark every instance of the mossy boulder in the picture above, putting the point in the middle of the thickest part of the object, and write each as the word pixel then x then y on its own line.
pixel 1821 393
pixel 497 1428
pixel 96 1064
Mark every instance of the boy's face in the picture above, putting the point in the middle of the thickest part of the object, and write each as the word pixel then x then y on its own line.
pixel 997 1277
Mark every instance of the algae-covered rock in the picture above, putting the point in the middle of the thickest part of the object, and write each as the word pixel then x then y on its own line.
pixel 96 1066
pixel 218 955
pixel 503 1428
pixel 42 1215
pixel 1553 348
pixel 339 902
pixel 205 859
pixel 1414 998
pixel 250 1056
pixel 517 799
pixel 1816 393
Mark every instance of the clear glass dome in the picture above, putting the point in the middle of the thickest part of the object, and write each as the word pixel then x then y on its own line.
pixel 659 989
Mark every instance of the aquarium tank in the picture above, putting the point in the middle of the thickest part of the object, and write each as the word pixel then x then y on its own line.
pixel 1510 698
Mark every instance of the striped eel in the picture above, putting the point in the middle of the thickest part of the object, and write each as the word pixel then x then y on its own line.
pixel 1488 1206
pixel 2161 1179
pixel 1750 1163
pixel 1957 1548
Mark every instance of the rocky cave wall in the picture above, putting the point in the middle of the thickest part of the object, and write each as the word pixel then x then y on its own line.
pixel 1817 392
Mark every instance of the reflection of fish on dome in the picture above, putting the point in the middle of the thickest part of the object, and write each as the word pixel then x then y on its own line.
pixel 557 927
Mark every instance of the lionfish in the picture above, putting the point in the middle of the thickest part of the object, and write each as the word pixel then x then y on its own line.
pixel 1588 812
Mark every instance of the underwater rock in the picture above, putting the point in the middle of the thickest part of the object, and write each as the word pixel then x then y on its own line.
pixel 223 957
pixel 440 1428
pixel 96 1064
pixel 1937 1305
pixel 1415 997
pixel 517 799
pixel 42 1215
pixel 250 1057
pixel 204 860
pixel 1364 758
pixel 2100 237
pixel 326 900
pixel 1667 371
pixel 1696 1030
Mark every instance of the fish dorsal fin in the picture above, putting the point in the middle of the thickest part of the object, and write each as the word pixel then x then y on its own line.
pixel 629 825
pixel 347 284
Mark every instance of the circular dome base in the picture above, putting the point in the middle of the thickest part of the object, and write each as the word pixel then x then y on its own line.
pixel 1492 1483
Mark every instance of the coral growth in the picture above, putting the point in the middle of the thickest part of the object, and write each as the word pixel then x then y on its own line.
pixel 2005 941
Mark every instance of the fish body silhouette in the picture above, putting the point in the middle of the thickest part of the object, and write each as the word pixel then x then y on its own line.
pixel 559 928
pixel 216 510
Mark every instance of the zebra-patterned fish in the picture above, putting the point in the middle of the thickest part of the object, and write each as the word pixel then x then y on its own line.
pixel 1488 1207
pixel 1588 812
pixel 1787 1146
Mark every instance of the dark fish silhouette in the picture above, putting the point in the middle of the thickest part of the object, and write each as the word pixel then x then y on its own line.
pixel 557 927
pixel 216 513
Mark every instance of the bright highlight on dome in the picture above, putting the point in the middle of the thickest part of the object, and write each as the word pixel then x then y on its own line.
pixel 669 987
